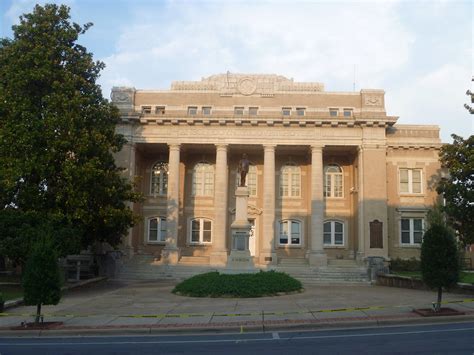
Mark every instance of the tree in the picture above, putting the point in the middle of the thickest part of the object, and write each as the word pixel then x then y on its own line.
pixel 57 132
pixel 41 278
pixel 439 259
pixel 458 187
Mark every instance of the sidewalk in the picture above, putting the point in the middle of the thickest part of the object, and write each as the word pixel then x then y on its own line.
pixel 150 307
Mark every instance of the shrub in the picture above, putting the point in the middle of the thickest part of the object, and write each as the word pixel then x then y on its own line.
pixel 412 264
pixel 260 284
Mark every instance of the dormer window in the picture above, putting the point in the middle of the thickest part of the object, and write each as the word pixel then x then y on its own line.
pixel 286 111
pixel 333 112
pixel 238 111
pixel 300 111
pixel 206 110
pixel 146 110
pixel 347 112
pixel 192 110
pixel 160 110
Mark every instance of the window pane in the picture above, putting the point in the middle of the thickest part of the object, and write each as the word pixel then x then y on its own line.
pixel 284 232
pixel 327 227
pixel 195 225
pixel 153 231
pixel 327 186
pixel 405 224
pixel 295 239
pixel 417 225
pixel 207 225
pixel 327 238
pixel 283 239
pixel 162 230
pixel 406 237
pixel 338 238
pixel 347 113
pixel 207 236
pixel 417 237
pixel 404 180
pixel 333 113
pixel 338 185
pixel 295 227
pixel 338 227
pixel 195 236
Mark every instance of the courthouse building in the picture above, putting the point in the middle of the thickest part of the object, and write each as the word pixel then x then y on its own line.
pixel 332 176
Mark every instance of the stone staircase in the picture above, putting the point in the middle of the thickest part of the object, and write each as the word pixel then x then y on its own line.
pixel 345 272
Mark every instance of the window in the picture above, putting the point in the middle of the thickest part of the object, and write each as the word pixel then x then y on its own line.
pixel 300 111
pixel 238 111
pixel 333 233
pixel 333 112
pixel 411 231
pixel 206 110
pixel 250 181
pixel 157 230
pixel 333 181
pixel 159 178
pixel 203 180
pixel 201 231
pixel 286 111
pixel 290 232
pixel 160 110
pixel 192 110
pixel 410 181
pixel 290 181
pixel 347 112
pixel 146 110
pixel 253 111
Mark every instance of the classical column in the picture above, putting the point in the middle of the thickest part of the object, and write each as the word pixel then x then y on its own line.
pixel 316 254
pixel 267 254
pixel 360 209
pixel 170 253
pixel 219 248
pixel 131 177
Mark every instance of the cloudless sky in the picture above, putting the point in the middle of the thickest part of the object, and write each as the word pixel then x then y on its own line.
pixel 419 52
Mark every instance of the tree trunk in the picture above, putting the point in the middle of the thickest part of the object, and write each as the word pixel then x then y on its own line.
pixel 438 303
pixel 38 313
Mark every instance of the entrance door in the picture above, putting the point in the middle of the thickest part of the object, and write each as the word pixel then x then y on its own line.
pixel 253 237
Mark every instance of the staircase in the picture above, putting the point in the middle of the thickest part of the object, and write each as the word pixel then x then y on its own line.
pixel 344 272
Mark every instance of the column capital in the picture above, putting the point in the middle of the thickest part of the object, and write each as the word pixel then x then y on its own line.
pixel 174 146
pixel 222 146
pixel 315 148
pixel 269 147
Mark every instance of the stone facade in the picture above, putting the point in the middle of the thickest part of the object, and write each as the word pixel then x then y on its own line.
pixel 332 175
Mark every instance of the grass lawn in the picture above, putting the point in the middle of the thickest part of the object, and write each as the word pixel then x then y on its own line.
pixel 11 292
pixel 465 277
pixel 213 284
pixel 10 278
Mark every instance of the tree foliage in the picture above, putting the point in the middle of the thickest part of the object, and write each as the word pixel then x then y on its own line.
pixel 458 187
pixel 57 132
pixel 41 278
pixel 440 265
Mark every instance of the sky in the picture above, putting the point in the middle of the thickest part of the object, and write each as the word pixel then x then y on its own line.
pixel 419 52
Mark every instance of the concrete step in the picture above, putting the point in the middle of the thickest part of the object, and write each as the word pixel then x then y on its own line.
pixel 194 260
pixel 293 261
pixel 350 263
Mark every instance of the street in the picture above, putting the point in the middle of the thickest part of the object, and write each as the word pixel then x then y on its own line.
pixel 453 338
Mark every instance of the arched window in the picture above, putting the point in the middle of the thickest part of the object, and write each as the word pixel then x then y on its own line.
pixel 203 180
pixel 333 181
pixel 290 181
pixel 200 231
pixel 250 181
pixel 157 230
pixel 290 232
pixel 159 178
pixel 333 233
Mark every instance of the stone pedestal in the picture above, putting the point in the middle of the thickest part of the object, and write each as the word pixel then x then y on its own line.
pixel 240 258
pixel 170 256
pixel 317 258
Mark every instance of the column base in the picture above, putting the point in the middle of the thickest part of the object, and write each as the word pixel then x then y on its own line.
pixel 319 259
pixel 218 258
pixel 240 260
pixel 360 256
pixel 170 256
pixel 268 258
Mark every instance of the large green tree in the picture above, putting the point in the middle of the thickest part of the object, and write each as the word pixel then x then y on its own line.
pixel 57 132
pixel 458 187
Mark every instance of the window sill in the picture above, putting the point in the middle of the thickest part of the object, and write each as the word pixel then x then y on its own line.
pixel 407 194
pixel 199 244
pixel 410 246
pixel 155 243
pixel 334 247
pixel 291 246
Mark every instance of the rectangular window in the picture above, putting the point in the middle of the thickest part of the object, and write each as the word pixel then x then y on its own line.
pixel 410 181
pixel 286 111
pixel 192 110
pixel 290 232
pixel 160 110
pixel 333 112
pixel 411 231
pixel 146 110
pixel 253 111
pixel 201 231
pixel 300 111
pixel 206 110
pixel 239 111
pixel 347 112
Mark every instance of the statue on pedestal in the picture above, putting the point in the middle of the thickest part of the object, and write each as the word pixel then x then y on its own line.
pixel 244 165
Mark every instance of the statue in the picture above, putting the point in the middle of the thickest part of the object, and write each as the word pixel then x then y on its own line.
pixel 244 165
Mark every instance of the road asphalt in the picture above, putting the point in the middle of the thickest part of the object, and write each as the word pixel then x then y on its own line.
pixel 149 307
